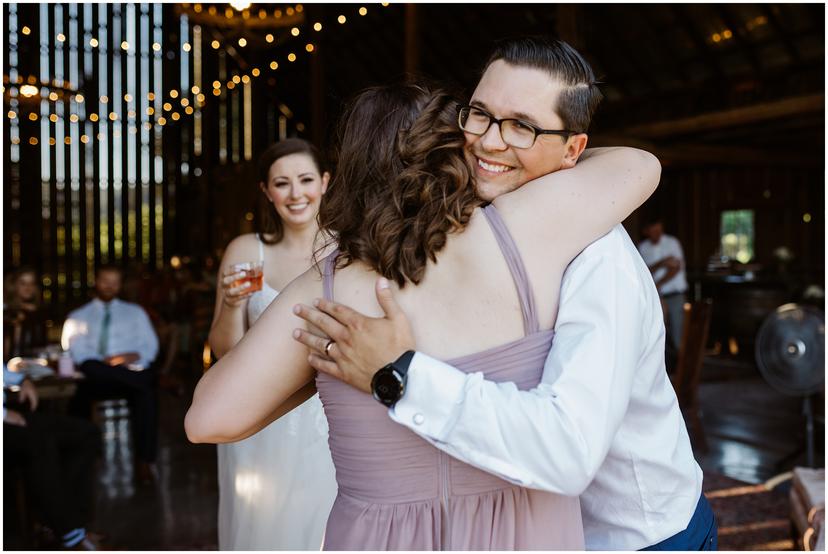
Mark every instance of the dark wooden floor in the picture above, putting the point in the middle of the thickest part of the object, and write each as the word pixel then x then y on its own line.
pixel 180 510
pixel 753 433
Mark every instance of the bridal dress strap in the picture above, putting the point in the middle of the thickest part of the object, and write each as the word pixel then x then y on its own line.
pixel 261 247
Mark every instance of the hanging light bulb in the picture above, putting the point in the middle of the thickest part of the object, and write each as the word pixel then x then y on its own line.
pixel 239 6
pixel 29 90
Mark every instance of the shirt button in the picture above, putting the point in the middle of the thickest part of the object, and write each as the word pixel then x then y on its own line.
pixel 419 419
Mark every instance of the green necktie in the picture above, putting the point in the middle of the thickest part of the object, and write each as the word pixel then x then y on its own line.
pixel 103 342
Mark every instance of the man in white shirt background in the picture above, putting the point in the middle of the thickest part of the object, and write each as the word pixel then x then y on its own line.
pixel 113 344
pixel 604 424
pixel 665 258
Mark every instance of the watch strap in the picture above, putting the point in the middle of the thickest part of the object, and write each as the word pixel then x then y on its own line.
pixel 401 364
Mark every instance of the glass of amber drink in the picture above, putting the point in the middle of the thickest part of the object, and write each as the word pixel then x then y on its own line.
pixel 247 272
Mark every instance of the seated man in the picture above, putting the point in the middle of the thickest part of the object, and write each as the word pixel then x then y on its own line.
pixel 57 455
pixel 113 343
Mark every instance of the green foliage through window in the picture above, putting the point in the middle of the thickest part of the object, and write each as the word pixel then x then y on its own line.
pixel 736 235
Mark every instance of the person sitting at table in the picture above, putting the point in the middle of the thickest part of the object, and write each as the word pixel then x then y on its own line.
pixel 24 317
pixel 113 344
pixel 57 456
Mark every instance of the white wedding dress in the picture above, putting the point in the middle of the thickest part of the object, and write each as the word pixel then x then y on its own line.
pixel 276 488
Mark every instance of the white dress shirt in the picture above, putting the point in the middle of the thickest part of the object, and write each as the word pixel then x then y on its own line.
pixel 130 330
pixel 667 246
pixel 604 423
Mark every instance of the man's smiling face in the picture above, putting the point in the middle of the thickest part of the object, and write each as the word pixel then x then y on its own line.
pixel 528 94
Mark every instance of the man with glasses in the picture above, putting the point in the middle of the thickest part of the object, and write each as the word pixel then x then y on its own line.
pixel 604 423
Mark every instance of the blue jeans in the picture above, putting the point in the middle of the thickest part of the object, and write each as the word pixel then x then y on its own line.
pixel 701 533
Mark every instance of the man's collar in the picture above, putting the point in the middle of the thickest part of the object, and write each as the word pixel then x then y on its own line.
pixel 100 303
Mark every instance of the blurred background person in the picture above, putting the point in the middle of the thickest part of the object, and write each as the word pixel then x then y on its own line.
pixel 56 455
pixel 24 317
pixel 113 344
pixel 276 487
pixel 665 258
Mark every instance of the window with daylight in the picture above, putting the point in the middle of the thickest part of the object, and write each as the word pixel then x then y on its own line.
pixel 736 235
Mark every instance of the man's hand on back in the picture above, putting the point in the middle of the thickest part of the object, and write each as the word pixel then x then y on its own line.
pixel 361 344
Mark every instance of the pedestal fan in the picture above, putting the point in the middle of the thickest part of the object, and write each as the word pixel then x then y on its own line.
pixel 790 354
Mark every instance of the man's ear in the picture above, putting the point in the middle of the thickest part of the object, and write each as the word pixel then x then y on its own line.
pixel 575 146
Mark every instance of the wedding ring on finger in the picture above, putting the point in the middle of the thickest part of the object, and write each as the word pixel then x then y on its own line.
pixel 328 347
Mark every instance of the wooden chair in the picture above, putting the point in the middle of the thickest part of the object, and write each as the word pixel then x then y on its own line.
pixel 688 369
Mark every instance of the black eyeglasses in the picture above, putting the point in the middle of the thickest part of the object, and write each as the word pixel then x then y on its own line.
pixel 514 132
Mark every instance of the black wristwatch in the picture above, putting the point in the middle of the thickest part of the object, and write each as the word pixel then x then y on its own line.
pixel 388 384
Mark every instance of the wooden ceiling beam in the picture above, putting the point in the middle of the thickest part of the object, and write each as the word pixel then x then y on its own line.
pixel 738 34
pixel 691 154
pixel 686 22
pixel 609 28
pixel 790 48
pixel 672 53
pixel 733 117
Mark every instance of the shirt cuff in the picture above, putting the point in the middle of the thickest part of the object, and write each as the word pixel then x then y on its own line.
pixel 13 378
pixel 432 397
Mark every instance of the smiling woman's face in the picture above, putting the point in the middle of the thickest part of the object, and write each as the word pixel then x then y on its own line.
pixel 295 188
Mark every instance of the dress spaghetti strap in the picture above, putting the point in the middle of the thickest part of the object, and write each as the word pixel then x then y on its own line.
pixel 516 267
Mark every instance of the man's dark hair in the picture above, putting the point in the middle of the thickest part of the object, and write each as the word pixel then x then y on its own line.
pixel 108 267
pixel 580 96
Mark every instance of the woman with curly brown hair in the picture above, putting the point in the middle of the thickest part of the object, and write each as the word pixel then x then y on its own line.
pixel 403 206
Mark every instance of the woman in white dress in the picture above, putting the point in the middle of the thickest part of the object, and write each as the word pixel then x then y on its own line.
pixel 277 486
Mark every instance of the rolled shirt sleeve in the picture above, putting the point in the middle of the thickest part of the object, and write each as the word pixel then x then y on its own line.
pixel 76 339
pixel 12 378
pixel 556 436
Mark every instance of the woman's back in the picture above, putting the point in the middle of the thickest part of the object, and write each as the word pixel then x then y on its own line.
pixel 467 301
pixel 396 491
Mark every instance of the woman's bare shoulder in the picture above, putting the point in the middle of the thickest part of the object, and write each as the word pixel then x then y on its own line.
pixel 243 248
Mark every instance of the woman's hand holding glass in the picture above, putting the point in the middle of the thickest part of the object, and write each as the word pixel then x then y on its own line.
pixel 240 281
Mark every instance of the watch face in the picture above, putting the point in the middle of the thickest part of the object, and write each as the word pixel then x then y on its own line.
pixel 387 386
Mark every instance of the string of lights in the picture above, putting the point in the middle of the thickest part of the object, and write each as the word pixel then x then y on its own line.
pixel 175 103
